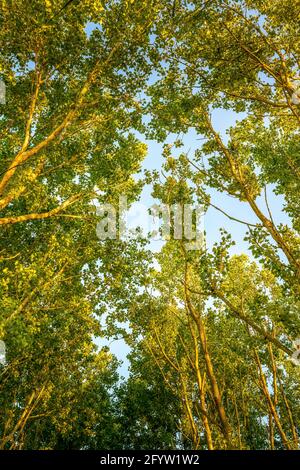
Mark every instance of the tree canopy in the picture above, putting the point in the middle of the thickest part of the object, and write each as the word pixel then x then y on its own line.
pixel 213 332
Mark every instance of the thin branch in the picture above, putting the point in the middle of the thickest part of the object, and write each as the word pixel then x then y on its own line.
pixel 43 215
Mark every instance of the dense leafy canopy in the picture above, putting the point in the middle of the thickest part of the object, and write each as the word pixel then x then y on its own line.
pixel 211 331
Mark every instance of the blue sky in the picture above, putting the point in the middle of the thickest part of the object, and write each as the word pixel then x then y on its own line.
pixel 213 219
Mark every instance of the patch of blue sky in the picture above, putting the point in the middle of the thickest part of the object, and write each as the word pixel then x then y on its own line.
pixel 214 219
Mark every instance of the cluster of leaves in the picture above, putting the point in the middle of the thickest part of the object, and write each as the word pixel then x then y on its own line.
pixel 72 79
pixel 210 333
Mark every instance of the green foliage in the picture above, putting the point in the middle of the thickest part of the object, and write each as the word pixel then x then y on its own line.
pixel 211 332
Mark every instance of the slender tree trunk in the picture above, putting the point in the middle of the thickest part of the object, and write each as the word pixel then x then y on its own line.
pixel 271 406
pixel 201 387
pixel 209 367
pixel 271 432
